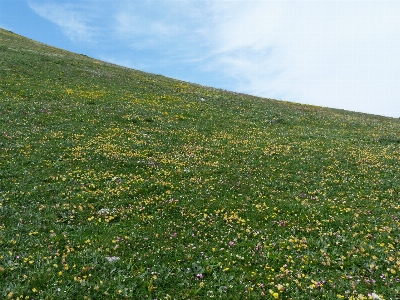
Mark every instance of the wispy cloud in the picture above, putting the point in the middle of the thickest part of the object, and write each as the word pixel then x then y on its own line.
pixel 151 23
pixel 72 18
pixel 329 53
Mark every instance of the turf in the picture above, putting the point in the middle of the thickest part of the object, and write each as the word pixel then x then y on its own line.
pixel 119 184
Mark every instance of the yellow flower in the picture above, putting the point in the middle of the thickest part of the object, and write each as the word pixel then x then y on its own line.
pixel 34 290
pixel 274 294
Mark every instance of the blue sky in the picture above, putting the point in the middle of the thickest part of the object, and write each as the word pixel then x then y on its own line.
pixel 340 54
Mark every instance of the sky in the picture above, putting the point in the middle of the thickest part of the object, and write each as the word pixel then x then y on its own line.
pixel 338 54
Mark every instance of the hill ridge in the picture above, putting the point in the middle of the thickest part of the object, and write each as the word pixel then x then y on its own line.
pixel 120 184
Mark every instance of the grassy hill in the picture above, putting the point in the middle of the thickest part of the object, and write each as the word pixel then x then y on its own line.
pixel 119 184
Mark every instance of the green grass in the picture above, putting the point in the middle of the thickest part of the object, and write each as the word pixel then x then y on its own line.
pixel 118 184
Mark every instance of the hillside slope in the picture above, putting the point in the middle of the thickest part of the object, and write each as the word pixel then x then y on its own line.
pixel 118 184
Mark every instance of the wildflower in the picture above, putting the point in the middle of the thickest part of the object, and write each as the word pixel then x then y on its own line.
pixel 200 275
pixel 275 295
pixel 103 211
pixel 280 287
pixel 231 243
pixel 112 258
pixel 375 296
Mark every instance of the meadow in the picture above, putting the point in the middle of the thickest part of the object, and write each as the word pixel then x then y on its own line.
pixel 119 184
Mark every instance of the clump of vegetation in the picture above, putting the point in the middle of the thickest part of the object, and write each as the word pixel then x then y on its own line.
pixel 388 139
pixel 118 184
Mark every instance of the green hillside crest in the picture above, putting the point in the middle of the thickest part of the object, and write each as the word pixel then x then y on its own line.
pixel 121 184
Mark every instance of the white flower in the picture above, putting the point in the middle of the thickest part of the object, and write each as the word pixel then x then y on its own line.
pixel 103 211
pixel 112 258
pixel 375 296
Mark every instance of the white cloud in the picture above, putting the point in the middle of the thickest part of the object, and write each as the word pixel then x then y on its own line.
pixel 329 53
pixel 74 22
pixel 140 32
